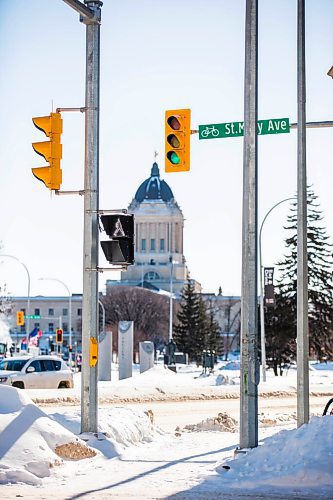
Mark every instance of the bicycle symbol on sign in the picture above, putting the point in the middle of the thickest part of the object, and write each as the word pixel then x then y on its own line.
pixel 210 131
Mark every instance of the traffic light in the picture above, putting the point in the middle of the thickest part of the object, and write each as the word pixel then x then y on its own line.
pixel 177 140
pixel 120 248
pixel 51 150
pixel 59 335
pixel 20 318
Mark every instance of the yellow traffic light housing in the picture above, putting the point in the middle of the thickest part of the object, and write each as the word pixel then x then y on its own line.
pixel 177 140
pixel 51 150
pixel 20 318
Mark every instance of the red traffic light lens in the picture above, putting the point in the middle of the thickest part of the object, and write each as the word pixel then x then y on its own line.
pixel 173 158
pixel 174 123
pixel 173 141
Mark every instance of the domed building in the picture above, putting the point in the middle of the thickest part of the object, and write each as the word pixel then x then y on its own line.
pixel 159 223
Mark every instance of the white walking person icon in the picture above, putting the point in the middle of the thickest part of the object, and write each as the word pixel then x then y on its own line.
pixel 119 229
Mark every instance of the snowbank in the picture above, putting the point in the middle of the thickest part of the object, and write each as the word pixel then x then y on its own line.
pixel 292 460
pixel 32 443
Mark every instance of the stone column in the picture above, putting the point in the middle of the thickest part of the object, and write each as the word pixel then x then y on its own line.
pixel 146 355
pixel 125 349
pixel 105 356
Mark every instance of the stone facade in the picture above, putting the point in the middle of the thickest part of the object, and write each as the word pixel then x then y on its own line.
pixel 159 224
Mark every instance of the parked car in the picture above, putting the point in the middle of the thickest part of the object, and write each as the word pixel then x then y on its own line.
pixel 38 372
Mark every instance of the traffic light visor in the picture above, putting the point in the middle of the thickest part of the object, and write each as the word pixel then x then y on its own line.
pixel 51 177
pixel 118 251
pixel 51 124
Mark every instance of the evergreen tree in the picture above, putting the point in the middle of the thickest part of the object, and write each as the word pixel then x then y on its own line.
pixel 282 320
pixel 185 331
pixel 213 340
pixel 196 329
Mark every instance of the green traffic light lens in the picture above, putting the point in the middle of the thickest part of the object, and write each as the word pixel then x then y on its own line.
pixel 173 158
pixel 174 123
pixel 173 141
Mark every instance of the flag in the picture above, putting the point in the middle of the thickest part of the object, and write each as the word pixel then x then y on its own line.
pixel 33 337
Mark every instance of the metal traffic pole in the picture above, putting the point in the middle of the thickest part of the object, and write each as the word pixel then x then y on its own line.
pixel 302 267
pixel 90 15
pixel 249 321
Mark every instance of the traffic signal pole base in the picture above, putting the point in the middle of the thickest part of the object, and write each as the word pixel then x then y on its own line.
pixel 241 451
pixel 88 436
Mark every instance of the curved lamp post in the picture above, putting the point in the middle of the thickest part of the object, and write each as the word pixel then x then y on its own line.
pixel 69 304
pixel 172 262
pixel 28 298
pixel 262 313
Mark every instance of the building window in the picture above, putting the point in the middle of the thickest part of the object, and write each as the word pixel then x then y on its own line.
pixel 65 327
pixel 37 312
pixel 152 244
pixel 151 275
pixel 65 312
pixel 51 327
pixel 51 312
pixel 143 245
pixel 162 245
pixel 79 312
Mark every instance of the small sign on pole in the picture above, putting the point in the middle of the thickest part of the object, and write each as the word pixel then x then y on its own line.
pixel 269 286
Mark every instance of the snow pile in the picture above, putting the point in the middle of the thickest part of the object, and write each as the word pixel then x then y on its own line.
pixel 223 423
pixel 291 460
pixel 31 443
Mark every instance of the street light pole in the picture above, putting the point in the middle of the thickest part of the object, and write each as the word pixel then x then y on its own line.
pixel 171 302
pixel 28 298
pixel 262 311
pixel 69 305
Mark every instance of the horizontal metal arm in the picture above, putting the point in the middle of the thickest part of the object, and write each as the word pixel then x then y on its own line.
pixel 314 124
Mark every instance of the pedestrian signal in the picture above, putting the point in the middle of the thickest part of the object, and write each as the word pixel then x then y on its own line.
pixel 120 248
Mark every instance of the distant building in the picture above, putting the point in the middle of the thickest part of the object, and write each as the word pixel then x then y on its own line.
pixel 54 313
pixel 159 223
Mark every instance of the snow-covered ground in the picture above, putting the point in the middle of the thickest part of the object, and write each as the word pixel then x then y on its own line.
pixel 42 454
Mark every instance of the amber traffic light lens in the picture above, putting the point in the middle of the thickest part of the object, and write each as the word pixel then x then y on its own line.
pixel 173 141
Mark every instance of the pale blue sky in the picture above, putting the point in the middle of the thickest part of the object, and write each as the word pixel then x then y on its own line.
pixel 156 55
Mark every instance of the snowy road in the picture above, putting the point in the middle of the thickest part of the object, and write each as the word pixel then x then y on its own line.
pixel 170 414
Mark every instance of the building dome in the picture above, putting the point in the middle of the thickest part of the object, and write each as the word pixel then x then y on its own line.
pixel 153 188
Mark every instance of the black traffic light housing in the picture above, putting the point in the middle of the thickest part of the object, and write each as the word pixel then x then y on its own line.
pixel 59 335
pixel 120 248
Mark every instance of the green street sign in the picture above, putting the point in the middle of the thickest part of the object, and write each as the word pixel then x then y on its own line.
pixel 32 316
pixel 236 129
